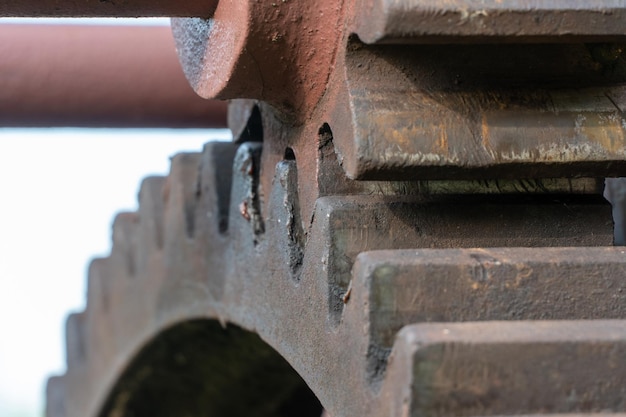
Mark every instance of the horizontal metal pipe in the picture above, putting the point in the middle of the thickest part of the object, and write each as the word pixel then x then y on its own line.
pixel 97 76
pixel 108 8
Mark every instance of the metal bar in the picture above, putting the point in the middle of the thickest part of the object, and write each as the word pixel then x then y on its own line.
pixel 108 8
pixel 97 76
pixel 392 21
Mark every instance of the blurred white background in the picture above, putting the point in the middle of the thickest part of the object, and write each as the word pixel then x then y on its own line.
pixel 59 191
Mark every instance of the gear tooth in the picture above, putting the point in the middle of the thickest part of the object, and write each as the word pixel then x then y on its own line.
pixel 245 203
pixel 99 285
pixel 381 225
pixel 216 176
pixel 75 341
pixel 182 196
pixel 124 248
pixel 102 304
pixel 197 209
pixel 459 368
pixel 402 287
pixel 55 397
pixel 151 209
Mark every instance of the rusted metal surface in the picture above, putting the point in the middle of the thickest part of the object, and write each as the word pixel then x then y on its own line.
pixel 416 229
pixel 280 52
pixel 183 260
pixel 466 369
pixel 439 223
pixel 454 112
pixel 425 111
pixel 491 20
pixel 460 285
pixel 116 76
pixel 108 8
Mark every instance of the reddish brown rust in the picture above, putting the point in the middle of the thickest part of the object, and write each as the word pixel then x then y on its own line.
pixel 269 233
pixel 243 209
pixel 106 8
pixel 281 52
pixel 97 76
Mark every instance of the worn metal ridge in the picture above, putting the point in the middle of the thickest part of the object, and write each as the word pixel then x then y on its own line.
pixel 425 21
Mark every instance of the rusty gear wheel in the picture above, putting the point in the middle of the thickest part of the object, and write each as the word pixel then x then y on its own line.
pixel 216 300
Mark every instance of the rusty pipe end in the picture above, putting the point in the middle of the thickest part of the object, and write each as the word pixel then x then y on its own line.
pixel 97 76
pixel 108 8
pixel 280 52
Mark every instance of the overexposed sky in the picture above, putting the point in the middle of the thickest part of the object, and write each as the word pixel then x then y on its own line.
pixel 59 191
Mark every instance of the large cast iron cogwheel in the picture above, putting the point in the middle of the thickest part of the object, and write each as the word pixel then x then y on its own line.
pixel 206 291
pixel 409 221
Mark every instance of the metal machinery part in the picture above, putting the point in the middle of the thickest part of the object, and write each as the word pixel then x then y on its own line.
pixel 410 215
pixel 96 76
